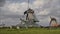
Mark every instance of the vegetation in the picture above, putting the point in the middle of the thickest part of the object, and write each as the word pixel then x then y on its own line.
pixel 30 31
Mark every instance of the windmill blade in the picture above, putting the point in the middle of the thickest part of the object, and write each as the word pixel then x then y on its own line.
pixel 25 12
pixel 23 20
pixel 35 19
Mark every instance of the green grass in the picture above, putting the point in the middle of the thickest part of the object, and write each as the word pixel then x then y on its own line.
pixel 30 31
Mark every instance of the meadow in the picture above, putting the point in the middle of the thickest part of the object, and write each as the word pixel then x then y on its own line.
pixel 30 31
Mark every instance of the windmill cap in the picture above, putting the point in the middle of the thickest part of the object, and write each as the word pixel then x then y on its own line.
pixel 30 10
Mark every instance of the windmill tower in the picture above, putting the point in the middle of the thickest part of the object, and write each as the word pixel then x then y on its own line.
pixel 30 16
pixel 53 22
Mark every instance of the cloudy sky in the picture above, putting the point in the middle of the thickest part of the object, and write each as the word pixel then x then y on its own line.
pixel 12 10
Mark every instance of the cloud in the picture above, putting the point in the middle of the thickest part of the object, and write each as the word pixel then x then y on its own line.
pixel 45 12
pixel 2 2
pixel 38 3
pixel 16 7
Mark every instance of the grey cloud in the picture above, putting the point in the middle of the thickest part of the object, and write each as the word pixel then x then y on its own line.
pixel 9 18
pixel 20 1
pixel 9 14
pixel 53 7
pixel 2 2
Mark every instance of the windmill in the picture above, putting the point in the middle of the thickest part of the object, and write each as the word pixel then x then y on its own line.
pixel 2 24
pixel 30 17
pixel 53 22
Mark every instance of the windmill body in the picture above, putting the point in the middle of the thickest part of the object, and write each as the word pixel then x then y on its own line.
pixel 30 18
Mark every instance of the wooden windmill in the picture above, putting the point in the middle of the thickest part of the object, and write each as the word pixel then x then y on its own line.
pixel 30 16
pixel 53 22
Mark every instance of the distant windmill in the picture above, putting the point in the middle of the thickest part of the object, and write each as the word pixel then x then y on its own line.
pixel 2 24
pixel 53 22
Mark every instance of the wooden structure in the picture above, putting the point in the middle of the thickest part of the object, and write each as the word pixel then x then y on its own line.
pixel 53 22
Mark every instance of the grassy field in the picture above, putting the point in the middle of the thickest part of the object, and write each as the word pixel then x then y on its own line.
pixel 30 31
